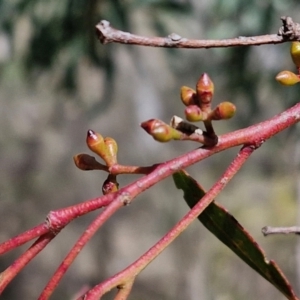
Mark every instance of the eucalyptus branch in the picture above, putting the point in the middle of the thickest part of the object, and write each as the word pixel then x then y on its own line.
pixel 255 134
pixel 131 271
pixel 267 230
pixel 289 31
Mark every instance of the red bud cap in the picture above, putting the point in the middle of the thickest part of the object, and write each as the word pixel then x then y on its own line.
pixel 187 95
pixel 193 113
pixel 205 89
pixel 287 78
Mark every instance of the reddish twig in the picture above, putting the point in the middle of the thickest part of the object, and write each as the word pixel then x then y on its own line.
pixel 107 34
pixel 8 275
pixel 87 162
pixel 82 241
pixel 131 271
pixel 24 238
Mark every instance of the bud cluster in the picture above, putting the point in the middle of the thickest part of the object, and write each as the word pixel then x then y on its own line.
pixel 198 108
pixel 107 149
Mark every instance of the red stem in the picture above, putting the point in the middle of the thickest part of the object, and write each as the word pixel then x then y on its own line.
pixel 9 274
pixel 24 237
pixel 131 271
pixel 82 241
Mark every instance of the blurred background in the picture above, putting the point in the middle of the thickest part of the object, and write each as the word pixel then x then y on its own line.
pixel 57 81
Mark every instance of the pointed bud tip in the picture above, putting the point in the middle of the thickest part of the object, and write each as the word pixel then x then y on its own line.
pixel 91 134
pixel 205 83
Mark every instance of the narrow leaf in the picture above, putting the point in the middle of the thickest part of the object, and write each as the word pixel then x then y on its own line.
pixel 229 231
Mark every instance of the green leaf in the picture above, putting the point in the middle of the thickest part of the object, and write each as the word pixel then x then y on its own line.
pixel 229 231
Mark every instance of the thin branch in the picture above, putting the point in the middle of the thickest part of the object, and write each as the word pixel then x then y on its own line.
pixel 280 230
pixel 135 268
pixel 107 34
pixel 9 274
pixel 24 237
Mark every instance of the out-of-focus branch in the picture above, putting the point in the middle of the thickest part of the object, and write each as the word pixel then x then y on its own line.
pixel 289 31
pixel 280 230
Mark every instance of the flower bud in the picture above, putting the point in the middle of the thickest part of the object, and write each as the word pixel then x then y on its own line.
pixel 160 131
pixel 205 89
pixel 86 162
pixel 112 149
pixel 96 144
pixel 193 113
pixel 295 53
pixel 223 111
pixel 149 125
pixel 110 185
pixel 287 78
pixel 187 95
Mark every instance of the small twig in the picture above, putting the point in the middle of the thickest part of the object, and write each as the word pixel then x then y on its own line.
pixel 107 34
pixel 280 230
pixel 24 237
